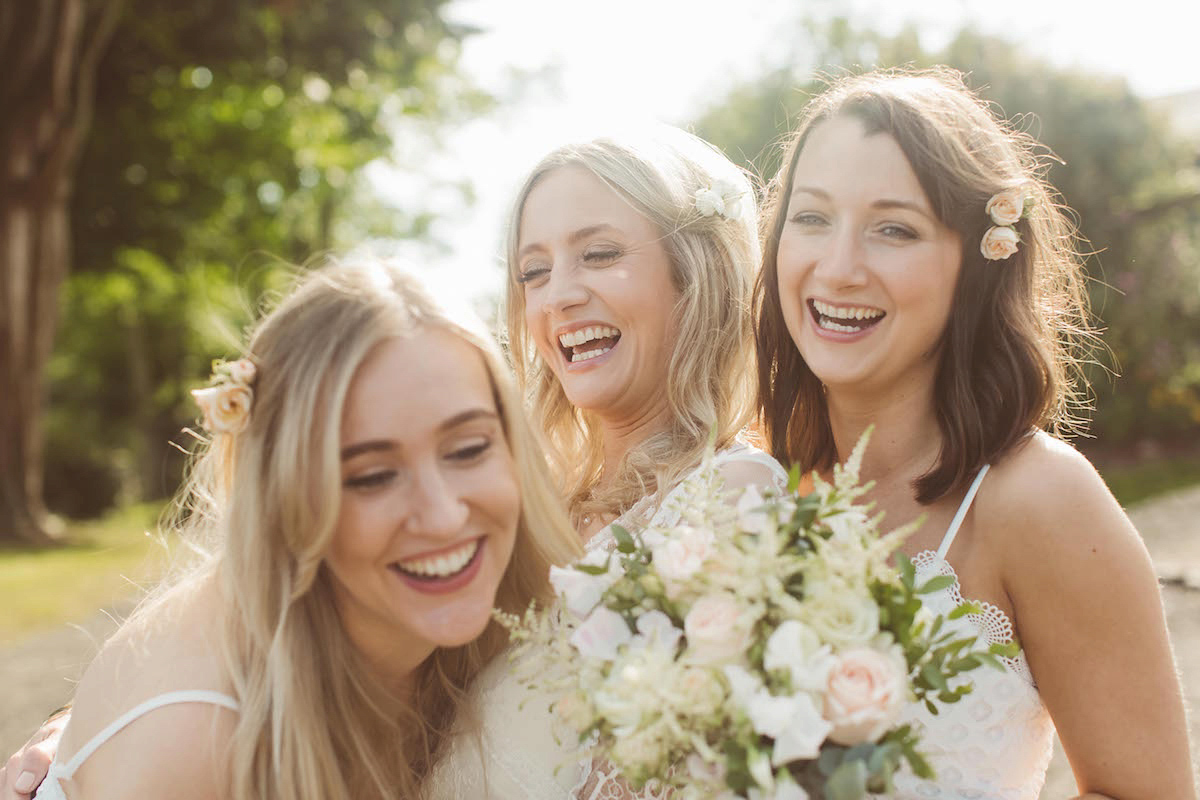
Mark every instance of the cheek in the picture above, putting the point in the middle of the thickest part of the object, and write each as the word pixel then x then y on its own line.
pixel 361 532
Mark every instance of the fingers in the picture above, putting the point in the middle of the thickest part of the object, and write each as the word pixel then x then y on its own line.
pixel 27 768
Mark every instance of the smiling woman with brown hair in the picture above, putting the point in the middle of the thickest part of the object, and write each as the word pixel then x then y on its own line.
pixel 919 277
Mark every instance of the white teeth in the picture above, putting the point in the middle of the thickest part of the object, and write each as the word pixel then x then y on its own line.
pixel 829 324
pixel 589 354
pixel 584 335
pixel 844 312
pixel 442 566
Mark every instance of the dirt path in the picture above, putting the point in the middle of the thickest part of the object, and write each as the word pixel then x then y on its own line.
pixel 38 673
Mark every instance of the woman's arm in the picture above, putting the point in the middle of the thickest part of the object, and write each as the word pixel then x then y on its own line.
pixel 1090 618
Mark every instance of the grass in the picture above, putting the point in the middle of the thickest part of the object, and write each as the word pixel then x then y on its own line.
pixel 102 563
pixel 1134 483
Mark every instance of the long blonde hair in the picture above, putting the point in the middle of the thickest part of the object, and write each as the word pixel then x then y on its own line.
pixel 313 722
pixel 708 386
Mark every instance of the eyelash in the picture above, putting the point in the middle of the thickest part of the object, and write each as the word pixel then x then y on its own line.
pixel 531 274
pixel 898 231
pixel 471 452
pixel 371 480
pixel 595 256
pixel 807 218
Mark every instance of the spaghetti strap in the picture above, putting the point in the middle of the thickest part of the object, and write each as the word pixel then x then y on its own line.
pixel 169 698
pixel 961 514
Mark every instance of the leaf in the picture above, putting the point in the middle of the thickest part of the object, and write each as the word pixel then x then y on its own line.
pixel 908 572
pixel 963 609
pixel 591 569
pixel 625 542
pixel 936 584
pixel 1006 649
pixel 848 782
pixel 934 676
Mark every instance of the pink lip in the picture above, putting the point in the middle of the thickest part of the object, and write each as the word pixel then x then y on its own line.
pixel 841 337
pixel 445 585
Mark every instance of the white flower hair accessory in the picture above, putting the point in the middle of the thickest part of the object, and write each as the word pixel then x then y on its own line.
pixel 1005 209
pixel 226 403
pixel 723 198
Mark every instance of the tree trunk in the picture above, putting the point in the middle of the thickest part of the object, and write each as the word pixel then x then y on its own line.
pixel 48 55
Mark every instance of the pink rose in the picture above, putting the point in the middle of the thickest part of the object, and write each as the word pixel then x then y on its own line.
pixel 1007 207
pixel 715 632
pixel 865 694
pixel 226 408
pixel 999 243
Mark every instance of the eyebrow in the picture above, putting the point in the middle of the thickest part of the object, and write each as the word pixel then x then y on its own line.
pixel 379 445
pixel 883 203
pixel 572 238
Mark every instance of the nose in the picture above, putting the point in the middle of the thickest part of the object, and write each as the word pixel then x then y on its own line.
pixel 563 290
pixel 438 508
pixel 841 264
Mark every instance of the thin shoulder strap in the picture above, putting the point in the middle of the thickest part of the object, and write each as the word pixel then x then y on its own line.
pixel 170 698
pixel 961 514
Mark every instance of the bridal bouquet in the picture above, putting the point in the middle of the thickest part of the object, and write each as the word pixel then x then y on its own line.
pixel 763 649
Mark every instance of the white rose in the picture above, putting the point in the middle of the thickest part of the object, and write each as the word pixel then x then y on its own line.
pixel 700 691
pixel 243 371
pixel 655 628
pixel 679 558
pixel 1007 207
pixel 795 647
pixel 867 691
pixel 794 722
pixel 226 407
pixel 601 634
pixel 709 202
pixel 841 616
pixel 999 243
pixel 715 632
pixel 580 592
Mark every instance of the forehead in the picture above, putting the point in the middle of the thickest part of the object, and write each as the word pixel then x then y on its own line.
pixel 841 158
pixel 571 198
pixel 407 386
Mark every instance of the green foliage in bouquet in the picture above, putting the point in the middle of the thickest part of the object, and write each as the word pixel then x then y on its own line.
pixel 766 643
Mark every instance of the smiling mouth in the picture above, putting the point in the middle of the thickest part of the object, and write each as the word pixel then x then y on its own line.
pixel 844 319
pixel 588 343
pixel 442 567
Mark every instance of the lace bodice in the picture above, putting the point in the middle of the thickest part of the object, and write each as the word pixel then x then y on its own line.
pixel 520 751
pixel 995 743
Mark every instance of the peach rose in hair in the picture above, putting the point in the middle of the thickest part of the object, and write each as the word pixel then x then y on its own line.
pixel 1007 207
pixel 226 408
pixel 999 243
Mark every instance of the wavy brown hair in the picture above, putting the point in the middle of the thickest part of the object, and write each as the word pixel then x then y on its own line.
pixel 1018 332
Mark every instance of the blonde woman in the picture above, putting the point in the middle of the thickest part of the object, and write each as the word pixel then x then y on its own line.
pixel 631 260
pixel 920 277
pixel 370 491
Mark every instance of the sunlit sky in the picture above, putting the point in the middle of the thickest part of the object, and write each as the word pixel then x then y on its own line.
pixel 595 64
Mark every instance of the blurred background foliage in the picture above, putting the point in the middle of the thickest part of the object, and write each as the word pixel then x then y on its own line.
pixel 229 141
pixel 232 137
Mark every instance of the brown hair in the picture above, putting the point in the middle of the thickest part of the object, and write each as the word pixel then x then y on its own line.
pixel 1011 353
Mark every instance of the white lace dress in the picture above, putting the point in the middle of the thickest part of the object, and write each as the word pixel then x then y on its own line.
pixel 520 752
pixel 995 743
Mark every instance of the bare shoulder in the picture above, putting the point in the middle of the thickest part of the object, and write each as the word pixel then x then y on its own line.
pixel 170 647
pixel 751 468
pixel 1045 499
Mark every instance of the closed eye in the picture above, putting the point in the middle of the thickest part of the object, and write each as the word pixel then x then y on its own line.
pixel 532 273
pixel 370 480
pixel 470 453
pixel 601 256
